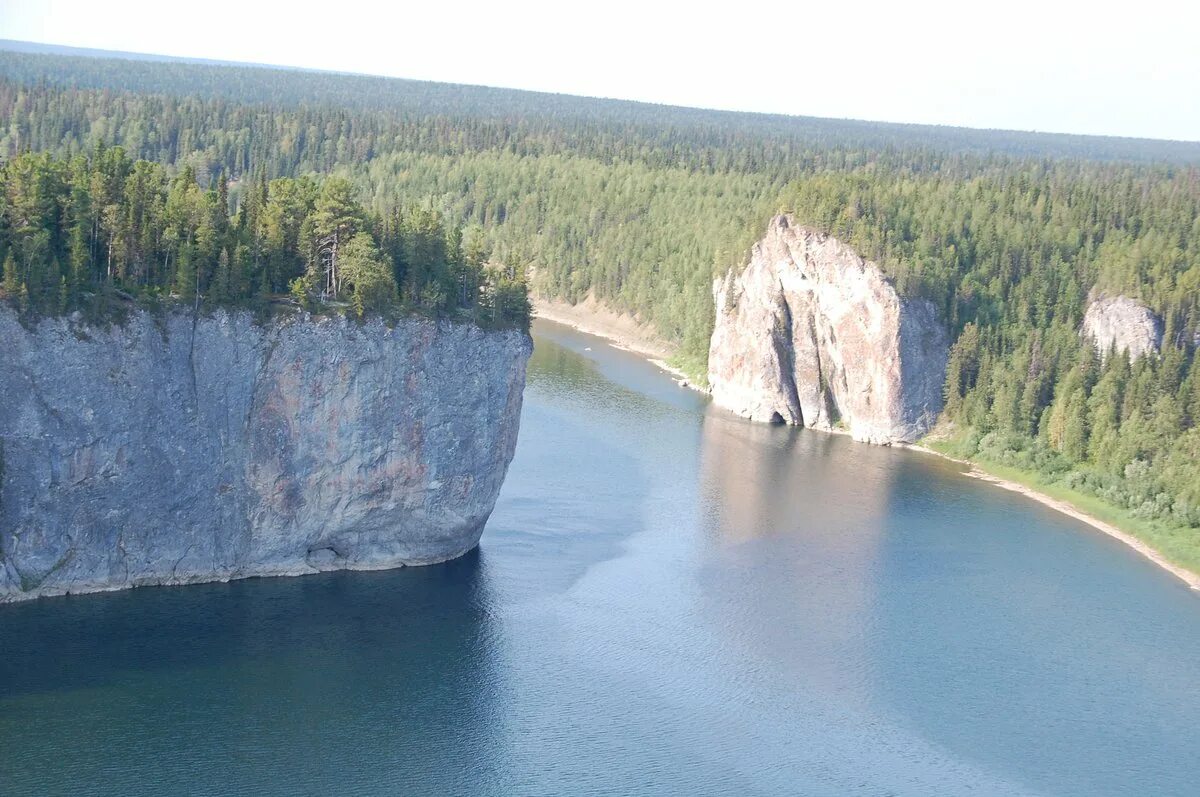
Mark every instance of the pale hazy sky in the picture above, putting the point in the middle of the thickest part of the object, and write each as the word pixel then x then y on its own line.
pixel 1079 67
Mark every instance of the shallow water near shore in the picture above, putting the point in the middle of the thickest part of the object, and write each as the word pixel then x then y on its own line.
pixel 668 600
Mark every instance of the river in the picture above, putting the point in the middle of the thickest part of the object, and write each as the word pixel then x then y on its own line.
pixel 668 600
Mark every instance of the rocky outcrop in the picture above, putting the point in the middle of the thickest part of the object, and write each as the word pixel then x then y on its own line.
pixel 171 450
pixel 810 333
pixel 1118 323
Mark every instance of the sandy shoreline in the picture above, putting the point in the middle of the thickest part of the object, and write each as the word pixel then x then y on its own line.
pixel 974 471
pixel 625 332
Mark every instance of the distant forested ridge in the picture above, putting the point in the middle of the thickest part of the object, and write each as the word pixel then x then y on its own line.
pixel 641 205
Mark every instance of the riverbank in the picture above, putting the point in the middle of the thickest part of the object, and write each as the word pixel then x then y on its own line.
pixel 1011 479
pixel 626 332
pixel 620 329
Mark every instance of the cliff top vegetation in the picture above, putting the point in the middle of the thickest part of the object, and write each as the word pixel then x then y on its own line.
pixel 93 231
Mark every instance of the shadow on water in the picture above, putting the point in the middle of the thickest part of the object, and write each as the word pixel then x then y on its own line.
pixel 367 682
pixel 313 685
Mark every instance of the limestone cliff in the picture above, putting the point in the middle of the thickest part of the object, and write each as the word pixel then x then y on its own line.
pixel 811 333
pixel 173 450
pixel 1122 324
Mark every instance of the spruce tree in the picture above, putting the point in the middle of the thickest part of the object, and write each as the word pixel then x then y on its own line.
pixel 12 280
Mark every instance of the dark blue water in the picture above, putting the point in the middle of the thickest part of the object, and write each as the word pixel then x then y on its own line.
pixel 668 600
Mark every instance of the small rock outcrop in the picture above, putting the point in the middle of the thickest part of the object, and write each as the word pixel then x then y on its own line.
pixel 174 449
pixel 1118 323
pixel 810 333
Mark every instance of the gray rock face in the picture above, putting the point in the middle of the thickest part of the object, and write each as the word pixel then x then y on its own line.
pixel 1122 324
pixel 810 333
pixel 177 450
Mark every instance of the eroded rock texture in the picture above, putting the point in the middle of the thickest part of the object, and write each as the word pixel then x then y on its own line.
pixel 810 333
pixel 177 450
pixel 1118 323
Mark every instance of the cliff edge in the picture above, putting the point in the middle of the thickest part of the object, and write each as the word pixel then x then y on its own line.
pixel 812 334
pixel 174 449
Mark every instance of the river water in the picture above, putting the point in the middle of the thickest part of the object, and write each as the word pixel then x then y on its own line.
pixel 668 600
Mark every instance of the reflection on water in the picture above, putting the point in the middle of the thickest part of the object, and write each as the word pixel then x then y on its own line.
pixel 249 686
pixel 668 600
pixel 804 525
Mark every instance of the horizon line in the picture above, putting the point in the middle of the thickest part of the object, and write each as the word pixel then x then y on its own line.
pixel 77 51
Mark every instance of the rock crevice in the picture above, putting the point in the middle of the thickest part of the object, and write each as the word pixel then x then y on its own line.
pixel 811 333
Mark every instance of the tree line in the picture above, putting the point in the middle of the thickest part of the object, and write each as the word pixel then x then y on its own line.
pixel 76 233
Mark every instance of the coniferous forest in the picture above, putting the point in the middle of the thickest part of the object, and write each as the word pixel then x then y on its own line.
pixel 237 185
pixel 81 233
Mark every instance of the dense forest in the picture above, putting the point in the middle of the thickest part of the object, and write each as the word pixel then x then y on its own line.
pixel 77 234
pixel 234 175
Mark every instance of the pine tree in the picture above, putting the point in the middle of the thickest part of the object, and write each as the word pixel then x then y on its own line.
pixel 962 369
pixel 1075 430
pixel 336 217
pixel 220 290
pixel 12 280
pixel 185 274
pixel 1189 394
pixel 369 277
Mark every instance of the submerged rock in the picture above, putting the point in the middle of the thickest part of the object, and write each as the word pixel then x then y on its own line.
pixel 1118 323
pixel 174 450
pixel 810 333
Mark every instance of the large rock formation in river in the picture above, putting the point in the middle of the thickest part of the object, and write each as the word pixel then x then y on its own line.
pixel 811 333
pixel 1118 323
pixel 170 449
